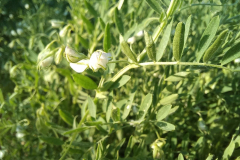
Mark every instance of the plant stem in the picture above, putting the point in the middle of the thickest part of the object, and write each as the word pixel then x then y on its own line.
pixel 185 64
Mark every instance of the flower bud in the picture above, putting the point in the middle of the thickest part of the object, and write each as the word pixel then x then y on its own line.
pixel 99 59
pixel 72 56
pixel 26 6
pixel 58 55
pixel 47 62
pixel 139 35
pixel 131 40
pixel 64 31
pixel 56 23
pixel 19 31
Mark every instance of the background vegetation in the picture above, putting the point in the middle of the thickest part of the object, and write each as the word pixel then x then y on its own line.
pixel 151 112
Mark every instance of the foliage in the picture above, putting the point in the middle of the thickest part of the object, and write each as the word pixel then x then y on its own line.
pixel 144 104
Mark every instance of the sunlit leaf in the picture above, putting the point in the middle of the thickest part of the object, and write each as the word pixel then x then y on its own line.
pixel 51 140
pixel 84 81
pixel 91 107
pixel 163 112
pixel 207 37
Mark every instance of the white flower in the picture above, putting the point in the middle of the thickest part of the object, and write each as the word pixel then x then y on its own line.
pixel 26 6
pixel 19 31
pixel 80 66
pixel 98 59
pixel 140 34
pixel 237 60
pixel 13 33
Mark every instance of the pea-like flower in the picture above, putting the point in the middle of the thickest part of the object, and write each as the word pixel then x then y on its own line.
pixel 98 59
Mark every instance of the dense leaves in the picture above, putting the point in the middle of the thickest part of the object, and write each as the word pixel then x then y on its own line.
pixel 146 103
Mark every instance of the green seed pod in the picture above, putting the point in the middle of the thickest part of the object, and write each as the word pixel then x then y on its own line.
pixel 214 47
pixel 151 49
pixel 31 42
pixel 178 41
pixel 72 56
pixel 59 55
pixel 126 50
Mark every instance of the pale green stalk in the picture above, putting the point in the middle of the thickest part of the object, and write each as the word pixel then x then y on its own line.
pixel 130 66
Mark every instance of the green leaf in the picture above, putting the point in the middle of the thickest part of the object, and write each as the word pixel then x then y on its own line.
pixel 81 129
pixel 130 145
pixel 155 5
pixel 180 157
pixel 102 24
pixel 91 9
pixel 165 126
pixel 120 82
pixel 107 38
pixel 91 107
pixel 119 145
pixel 128 106
pixel 231 54
pixel 215 46
pixel 210 157
pixel 139 27
pixel 88 25
pixel 99 151
pixel 207 37
pixel 41 125
pixel 118 21
pixel 168 99
pixel 177 77
pixel 229 151
pixel 1 96
pixel 109 111
pixel 145 105
pixel 178 41
pixel 91 123
pixel 174 109
pixel 163 112
pixel 84 81
pixel 66 116
pixel 164 41
pixel 51 140
pixel 187 28
pixel 116 114
pixel 83 42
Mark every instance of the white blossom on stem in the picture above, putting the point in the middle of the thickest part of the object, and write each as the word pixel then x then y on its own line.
pixel 98 59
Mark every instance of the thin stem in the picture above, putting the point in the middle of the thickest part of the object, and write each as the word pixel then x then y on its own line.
pixel 118 61
pixel 185 64
pixel 207 4
pixel 130 66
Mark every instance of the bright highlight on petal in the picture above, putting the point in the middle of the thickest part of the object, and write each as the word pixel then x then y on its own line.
pixel 99 59
pixel 80 66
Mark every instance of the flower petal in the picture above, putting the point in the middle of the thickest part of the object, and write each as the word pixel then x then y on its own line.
pixel 80 66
